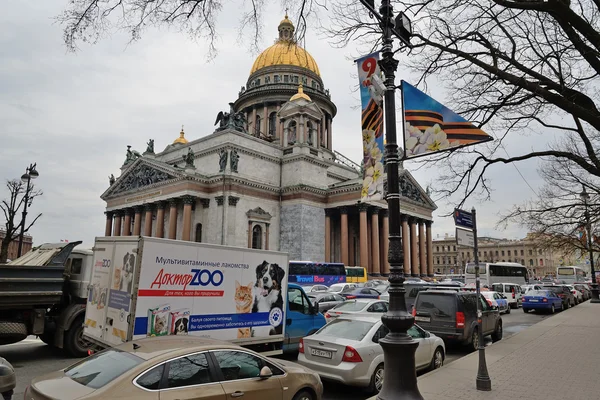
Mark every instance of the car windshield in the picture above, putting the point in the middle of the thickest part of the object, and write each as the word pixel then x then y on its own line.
pixel 350 306
pixel 102 368
pixel 346 329
pixel 337 287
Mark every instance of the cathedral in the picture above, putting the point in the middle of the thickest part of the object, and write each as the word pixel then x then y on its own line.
pixel 269 178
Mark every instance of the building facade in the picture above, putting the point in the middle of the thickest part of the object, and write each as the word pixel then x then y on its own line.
pixel 13 247
pixel 268 178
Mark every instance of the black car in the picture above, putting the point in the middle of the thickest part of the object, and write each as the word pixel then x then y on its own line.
pixel 452 315
pixel 563 292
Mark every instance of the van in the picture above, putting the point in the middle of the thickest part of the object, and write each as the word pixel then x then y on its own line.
pixel 512 291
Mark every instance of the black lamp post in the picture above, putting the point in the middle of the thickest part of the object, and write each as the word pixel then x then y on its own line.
pixel 588 225
pixel 400 377
pixel 30 173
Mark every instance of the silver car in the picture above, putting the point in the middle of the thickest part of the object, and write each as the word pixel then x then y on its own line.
pixel 357 306
pixel 347 350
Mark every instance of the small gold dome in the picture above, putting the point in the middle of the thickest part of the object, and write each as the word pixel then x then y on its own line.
pixel 300 94
pixel 181 139
pixel 286 20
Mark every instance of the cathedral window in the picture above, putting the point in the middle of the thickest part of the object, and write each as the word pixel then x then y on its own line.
pixel 292 132
pixel 267 79
pixel 286 79
pixel 295 79
pixel 276 78
pixel 257 237
pixel 258 82
pixel 314 84
pixel 305 81
pixel 309 128
pixel 272 124
pixel 198 237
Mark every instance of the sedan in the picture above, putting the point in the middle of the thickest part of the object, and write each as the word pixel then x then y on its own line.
pixel 177 367
pixel 497 301
pixel 325 300
pixel 545 300
pixel 347 350
pixel 315 288
pixel 578 295
pixel 363 293
pixel 585 290
pixel 563 292
pixel 357 306
pixel 339 288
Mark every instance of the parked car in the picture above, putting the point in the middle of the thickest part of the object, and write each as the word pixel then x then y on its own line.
pixel 340 288
pixel 357 306
pixel 546 300
pixel 527 288
pixel 325 300
pixel 315 288
pixel 564 293
pixel 182 367
pixel 578 295
pixel 452 315
pixel 374 283
pixel 347 350
pixel 496 301
pixel 511 291
pixel 584 289
pixel 363 293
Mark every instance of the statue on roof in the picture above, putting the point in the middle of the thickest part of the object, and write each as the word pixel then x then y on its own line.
pixel 231 120
pixel 111 180
pixel 150 148
pixel 234 160
pixel 131 155
pixel 188 159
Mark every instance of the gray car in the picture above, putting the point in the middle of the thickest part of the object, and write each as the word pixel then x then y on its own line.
pixel 326 301
pixel 357 306
pixel 347 350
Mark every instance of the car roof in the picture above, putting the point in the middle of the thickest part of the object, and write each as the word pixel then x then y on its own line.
pixel 360 317
pixel 158 346
pixel 363 300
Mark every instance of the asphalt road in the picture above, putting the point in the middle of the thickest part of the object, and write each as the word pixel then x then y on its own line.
pixel 32 358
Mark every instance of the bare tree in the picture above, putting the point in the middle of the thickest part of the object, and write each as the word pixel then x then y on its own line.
pixel 11 209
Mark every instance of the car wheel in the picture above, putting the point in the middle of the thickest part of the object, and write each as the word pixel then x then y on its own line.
pixel 376 380
pixel 568 305
pixel 304 395
pixel 508 310
pixel 552 309
pixel 525 310
pixel 475 339
pixel 438 359
pixel 497 334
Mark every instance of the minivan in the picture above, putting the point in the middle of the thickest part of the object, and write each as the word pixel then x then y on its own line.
pixel 452 315
pixel 512 292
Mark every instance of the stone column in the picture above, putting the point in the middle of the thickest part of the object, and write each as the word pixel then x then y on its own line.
pixel 148 220
pixel 385 231
pixel 117 227
pixel 422 246
pixel 253 126
pixel 301 130
pixel 278 124
pixel 375 241
pixel 364 249
pixel 249 234
pixel 160 220
pixel 351 246
pixel 127 222
pixel 267 236
pixel 429 249
pixel 284 134
pixel 266 120
pixel 344 232
pixel 109 223
pixel 188 201
pixel 137 222
pixel 173 219
pixel 329 133
pixel 322 129
pixel 405 244
pixel 414 255
pixel 327 235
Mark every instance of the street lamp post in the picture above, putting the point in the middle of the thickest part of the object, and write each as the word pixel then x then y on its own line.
pixel 588 225
pixel 400 378
pixel 30 173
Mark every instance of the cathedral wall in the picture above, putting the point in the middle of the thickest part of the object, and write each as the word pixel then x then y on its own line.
pixel 303 232
pixel 304 173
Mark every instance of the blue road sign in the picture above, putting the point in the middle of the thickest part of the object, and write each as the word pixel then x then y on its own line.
pixel 463 218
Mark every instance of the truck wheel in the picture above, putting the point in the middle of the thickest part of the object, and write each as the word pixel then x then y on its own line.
pixel 12 332
pixel 47 338
pixel 74 343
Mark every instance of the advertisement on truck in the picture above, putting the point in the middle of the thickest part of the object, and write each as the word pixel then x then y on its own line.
pixel 158 287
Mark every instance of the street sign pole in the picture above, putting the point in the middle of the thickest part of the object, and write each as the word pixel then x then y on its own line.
pixel 483 381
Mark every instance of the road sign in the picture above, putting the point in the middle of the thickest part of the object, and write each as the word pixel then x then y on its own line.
pixel 465 238
pixel 463 218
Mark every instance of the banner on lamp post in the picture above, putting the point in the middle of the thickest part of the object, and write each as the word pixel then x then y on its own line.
pixel 371 94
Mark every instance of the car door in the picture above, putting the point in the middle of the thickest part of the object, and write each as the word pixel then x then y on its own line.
pixel 299 320
pixel 423 352
pixel 191 378
pixel 240 376
pixel 487 316
pixel 379 307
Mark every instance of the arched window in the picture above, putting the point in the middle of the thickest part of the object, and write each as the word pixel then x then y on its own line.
pixel 309 129
pixel 257 126
pixel 198 237
pixel 257 237
pixel 273 124
pixel 292 132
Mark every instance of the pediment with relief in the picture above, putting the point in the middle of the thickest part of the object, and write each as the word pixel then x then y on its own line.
pixel 411 190
pixel 138 176
pixel 258 213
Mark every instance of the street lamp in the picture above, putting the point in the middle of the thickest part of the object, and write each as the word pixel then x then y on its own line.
pixel 588 224
pixel 30 173
pixel 400 377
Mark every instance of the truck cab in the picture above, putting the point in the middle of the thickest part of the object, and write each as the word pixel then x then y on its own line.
pixel 302 318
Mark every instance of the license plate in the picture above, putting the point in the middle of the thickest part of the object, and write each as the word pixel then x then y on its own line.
pixel 422 319
pixel 320 353
pixel 533 300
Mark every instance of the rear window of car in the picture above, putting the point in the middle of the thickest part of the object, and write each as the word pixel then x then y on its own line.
pixel 436 304
pixel 537 293
pixel 346 329
pixel 498 287
pixel 102 368
pixel 350 306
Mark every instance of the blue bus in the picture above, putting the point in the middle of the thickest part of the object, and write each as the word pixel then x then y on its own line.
pixel 312 273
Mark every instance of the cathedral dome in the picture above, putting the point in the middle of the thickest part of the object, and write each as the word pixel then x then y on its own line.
pixel 285 52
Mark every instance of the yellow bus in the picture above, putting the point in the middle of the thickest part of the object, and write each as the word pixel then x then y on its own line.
pixel 356 274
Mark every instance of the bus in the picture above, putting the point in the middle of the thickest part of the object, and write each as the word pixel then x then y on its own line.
pixel 501 272
pixel 356 274
pixel 570 274
pixel 312 273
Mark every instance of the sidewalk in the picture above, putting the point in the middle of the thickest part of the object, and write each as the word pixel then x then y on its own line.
pixel 557 358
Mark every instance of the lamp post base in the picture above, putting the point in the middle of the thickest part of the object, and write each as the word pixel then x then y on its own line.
pixel 483 381
pixel 595 295
pixel 483 384
pixel 399 375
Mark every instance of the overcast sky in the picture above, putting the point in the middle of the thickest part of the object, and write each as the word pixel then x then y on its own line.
pixel 74 114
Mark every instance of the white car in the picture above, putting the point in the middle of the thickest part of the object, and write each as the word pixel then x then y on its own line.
pixel 357 306
pixel 347 350
pixel 578 295
pixel 497 301
pixel 339 288
pixel 315 288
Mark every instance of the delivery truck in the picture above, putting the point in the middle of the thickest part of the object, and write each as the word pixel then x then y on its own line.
pixel 143 286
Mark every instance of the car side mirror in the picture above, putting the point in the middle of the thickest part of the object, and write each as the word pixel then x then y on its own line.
pixel 315 308
pixel 265 372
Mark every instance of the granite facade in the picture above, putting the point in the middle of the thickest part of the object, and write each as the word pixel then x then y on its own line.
pixel 303 232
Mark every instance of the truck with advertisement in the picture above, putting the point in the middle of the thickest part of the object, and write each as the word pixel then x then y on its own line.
pixel 143 286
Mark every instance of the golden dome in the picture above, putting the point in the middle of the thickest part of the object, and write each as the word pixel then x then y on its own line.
pixel 181 139
pixel 300 94
pixel 285 52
